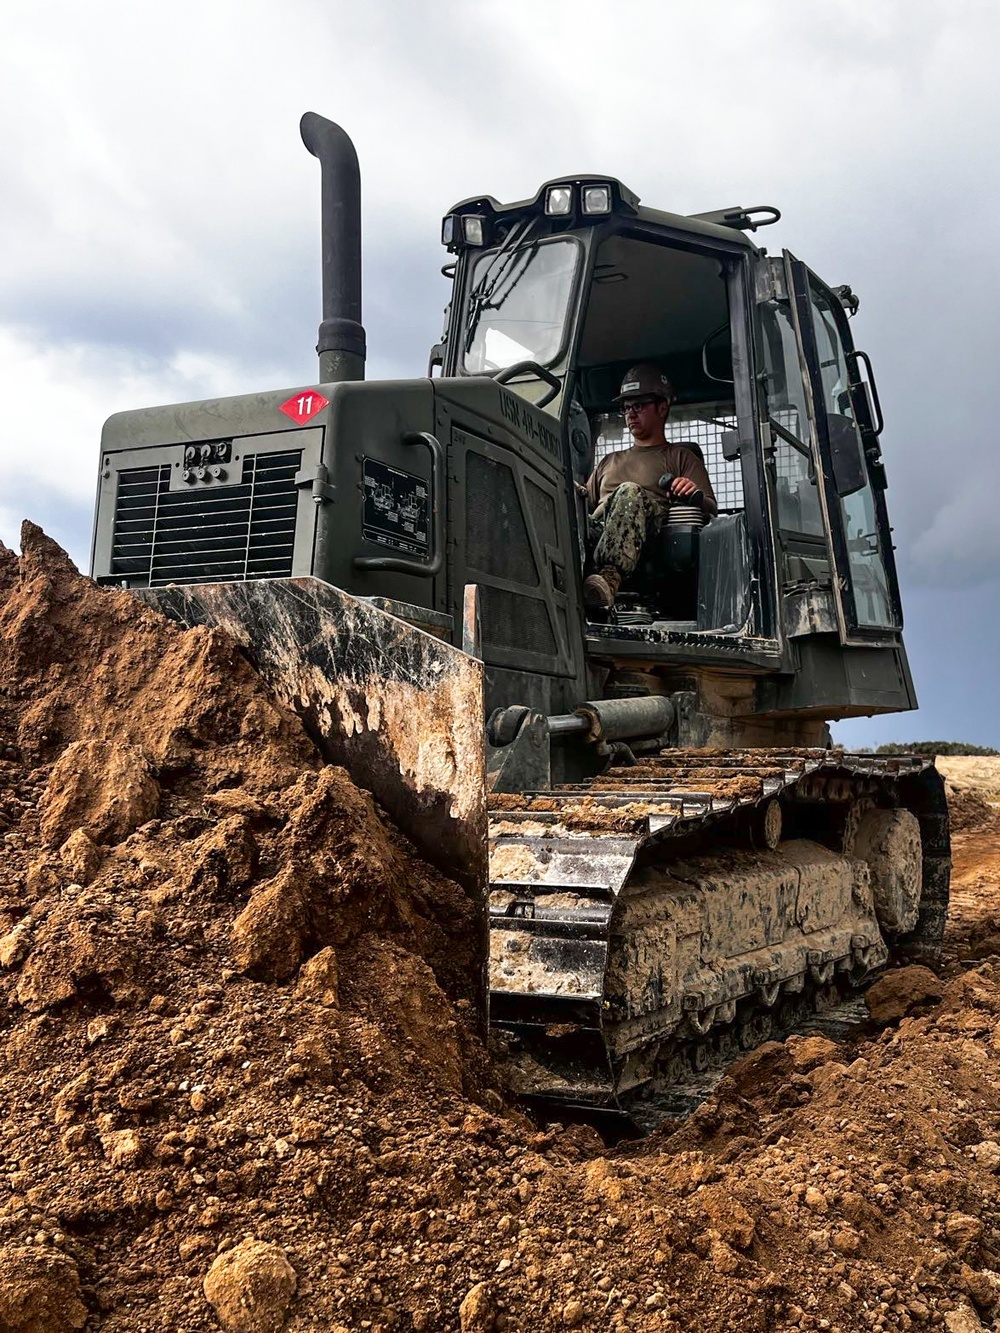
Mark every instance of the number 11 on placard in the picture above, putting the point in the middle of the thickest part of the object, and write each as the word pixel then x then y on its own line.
pixel 302 407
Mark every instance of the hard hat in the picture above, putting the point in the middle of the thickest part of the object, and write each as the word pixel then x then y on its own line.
pixel 645 381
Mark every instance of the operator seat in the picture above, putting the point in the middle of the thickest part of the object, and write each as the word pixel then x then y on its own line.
pixel 665 583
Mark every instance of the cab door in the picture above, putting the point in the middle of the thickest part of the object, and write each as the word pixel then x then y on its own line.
pixel 844 426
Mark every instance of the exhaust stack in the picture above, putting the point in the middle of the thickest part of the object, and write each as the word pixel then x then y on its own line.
pixel 341 345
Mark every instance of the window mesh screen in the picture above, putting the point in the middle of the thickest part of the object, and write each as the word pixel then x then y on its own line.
pixel 702 425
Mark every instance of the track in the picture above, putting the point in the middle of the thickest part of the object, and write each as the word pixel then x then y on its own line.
pixel 840 1014
pixel 598 889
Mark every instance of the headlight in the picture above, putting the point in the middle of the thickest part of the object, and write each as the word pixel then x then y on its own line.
pixel 558 200
pixel 597 199
pixel 472 229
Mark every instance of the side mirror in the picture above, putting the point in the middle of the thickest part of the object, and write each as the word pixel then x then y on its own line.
pixel 846 458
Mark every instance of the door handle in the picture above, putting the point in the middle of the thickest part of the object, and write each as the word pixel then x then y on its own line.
pixel 879 424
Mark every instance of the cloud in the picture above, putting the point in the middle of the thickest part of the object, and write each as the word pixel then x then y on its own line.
pixel 56 400
pixel 159 236
pixel 961 545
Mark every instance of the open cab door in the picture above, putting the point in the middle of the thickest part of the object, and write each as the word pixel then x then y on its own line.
pixel 844 425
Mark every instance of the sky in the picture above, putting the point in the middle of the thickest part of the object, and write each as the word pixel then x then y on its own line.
pixel 159 220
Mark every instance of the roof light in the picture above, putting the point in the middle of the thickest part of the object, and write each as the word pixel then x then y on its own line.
pixel 448 230
pixel 559 200
pixel 597 199
pixel 472 229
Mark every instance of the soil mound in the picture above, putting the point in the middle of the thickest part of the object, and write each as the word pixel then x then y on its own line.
pixel 217 962
pixel 243 1087
pixel 973 784
pixel 971 772
pixel 968 809
pixel 903 990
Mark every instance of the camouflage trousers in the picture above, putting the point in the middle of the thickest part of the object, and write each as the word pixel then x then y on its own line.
pixel 617 535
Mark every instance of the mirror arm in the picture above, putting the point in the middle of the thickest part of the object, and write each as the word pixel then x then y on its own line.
pixel 797 445
pixel 789 438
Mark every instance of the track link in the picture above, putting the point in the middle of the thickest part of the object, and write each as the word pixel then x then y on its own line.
pixel 569 867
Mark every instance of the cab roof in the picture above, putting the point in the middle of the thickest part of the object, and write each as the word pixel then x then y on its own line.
pixel 727 224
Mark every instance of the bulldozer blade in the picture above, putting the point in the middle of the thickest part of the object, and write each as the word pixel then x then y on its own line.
pixel 401 710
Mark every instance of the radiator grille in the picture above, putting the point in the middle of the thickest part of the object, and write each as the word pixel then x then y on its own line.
pixel 206 535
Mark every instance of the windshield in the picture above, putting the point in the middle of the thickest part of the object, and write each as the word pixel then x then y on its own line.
pixel 519 305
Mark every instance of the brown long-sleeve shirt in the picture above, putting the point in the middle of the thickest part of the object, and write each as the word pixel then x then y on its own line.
pixel 645 465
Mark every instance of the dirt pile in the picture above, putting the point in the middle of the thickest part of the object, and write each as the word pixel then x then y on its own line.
pixel 973 786
pixel 969 810
pixel 173 853
pixel 243 1088
pixel 972 772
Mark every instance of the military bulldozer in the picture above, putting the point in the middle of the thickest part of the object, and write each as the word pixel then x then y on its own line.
pixel 672 859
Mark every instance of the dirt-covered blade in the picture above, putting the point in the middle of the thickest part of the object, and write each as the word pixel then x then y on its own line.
pixel 401 710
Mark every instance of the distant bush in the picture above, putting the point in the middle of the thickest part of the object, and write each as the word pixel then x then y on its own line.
pixel 936 747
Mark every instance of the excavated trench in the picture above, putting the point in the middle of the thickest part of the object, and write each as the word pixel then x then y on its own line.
pixel 244 1086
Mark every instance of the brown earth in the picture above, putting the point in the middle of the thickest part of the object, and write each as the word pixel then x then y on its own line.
pixel 243 1086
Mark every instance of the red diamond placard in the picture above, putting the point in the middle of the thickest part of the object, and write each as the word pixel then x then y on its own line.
pixel 302 407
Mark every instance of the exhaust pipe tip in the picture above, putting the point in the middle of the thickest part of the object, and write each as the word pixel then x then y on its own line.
pixel 342 344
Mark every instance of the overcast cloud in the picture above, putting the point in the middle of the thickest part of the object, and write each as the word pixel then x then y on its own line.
pixel 159 225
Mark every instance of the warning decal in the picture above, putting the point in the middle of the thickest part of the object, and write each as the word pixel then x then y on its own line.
pixel 302 407
pixel 396 508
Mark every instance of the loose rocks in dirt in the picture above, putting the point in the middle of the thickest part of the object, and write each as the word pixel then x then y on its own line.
pixel 244 1087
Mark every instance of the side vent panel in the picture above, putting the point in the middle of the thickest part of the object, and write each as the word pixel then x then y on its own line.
pixel 210 534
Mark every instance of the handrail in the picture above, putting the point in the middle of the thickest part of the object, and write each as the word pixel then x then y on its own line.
pixel 531 368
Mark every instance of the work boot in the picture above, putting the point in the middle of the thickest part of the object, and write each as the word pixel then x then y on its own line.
pixel 599 589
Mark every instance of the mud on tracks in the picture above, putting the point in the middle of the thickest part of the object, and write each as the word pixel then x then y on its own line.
pixel 236 1021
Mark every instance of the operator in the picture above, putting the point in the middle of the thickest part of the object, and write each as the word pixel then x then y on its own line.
pixel 623 491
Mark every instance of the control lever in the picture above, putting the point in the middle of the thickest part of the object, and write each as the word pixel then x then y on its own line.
pixel 667 480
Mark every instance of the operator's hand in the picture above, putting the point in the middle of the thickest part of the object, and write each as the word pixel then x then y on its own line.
pixel 580 488
pixel 682 486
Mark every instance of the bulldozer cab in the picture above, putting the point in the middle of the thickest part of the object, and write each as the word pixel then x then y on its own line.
pixel 558 295
pixel 451 501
